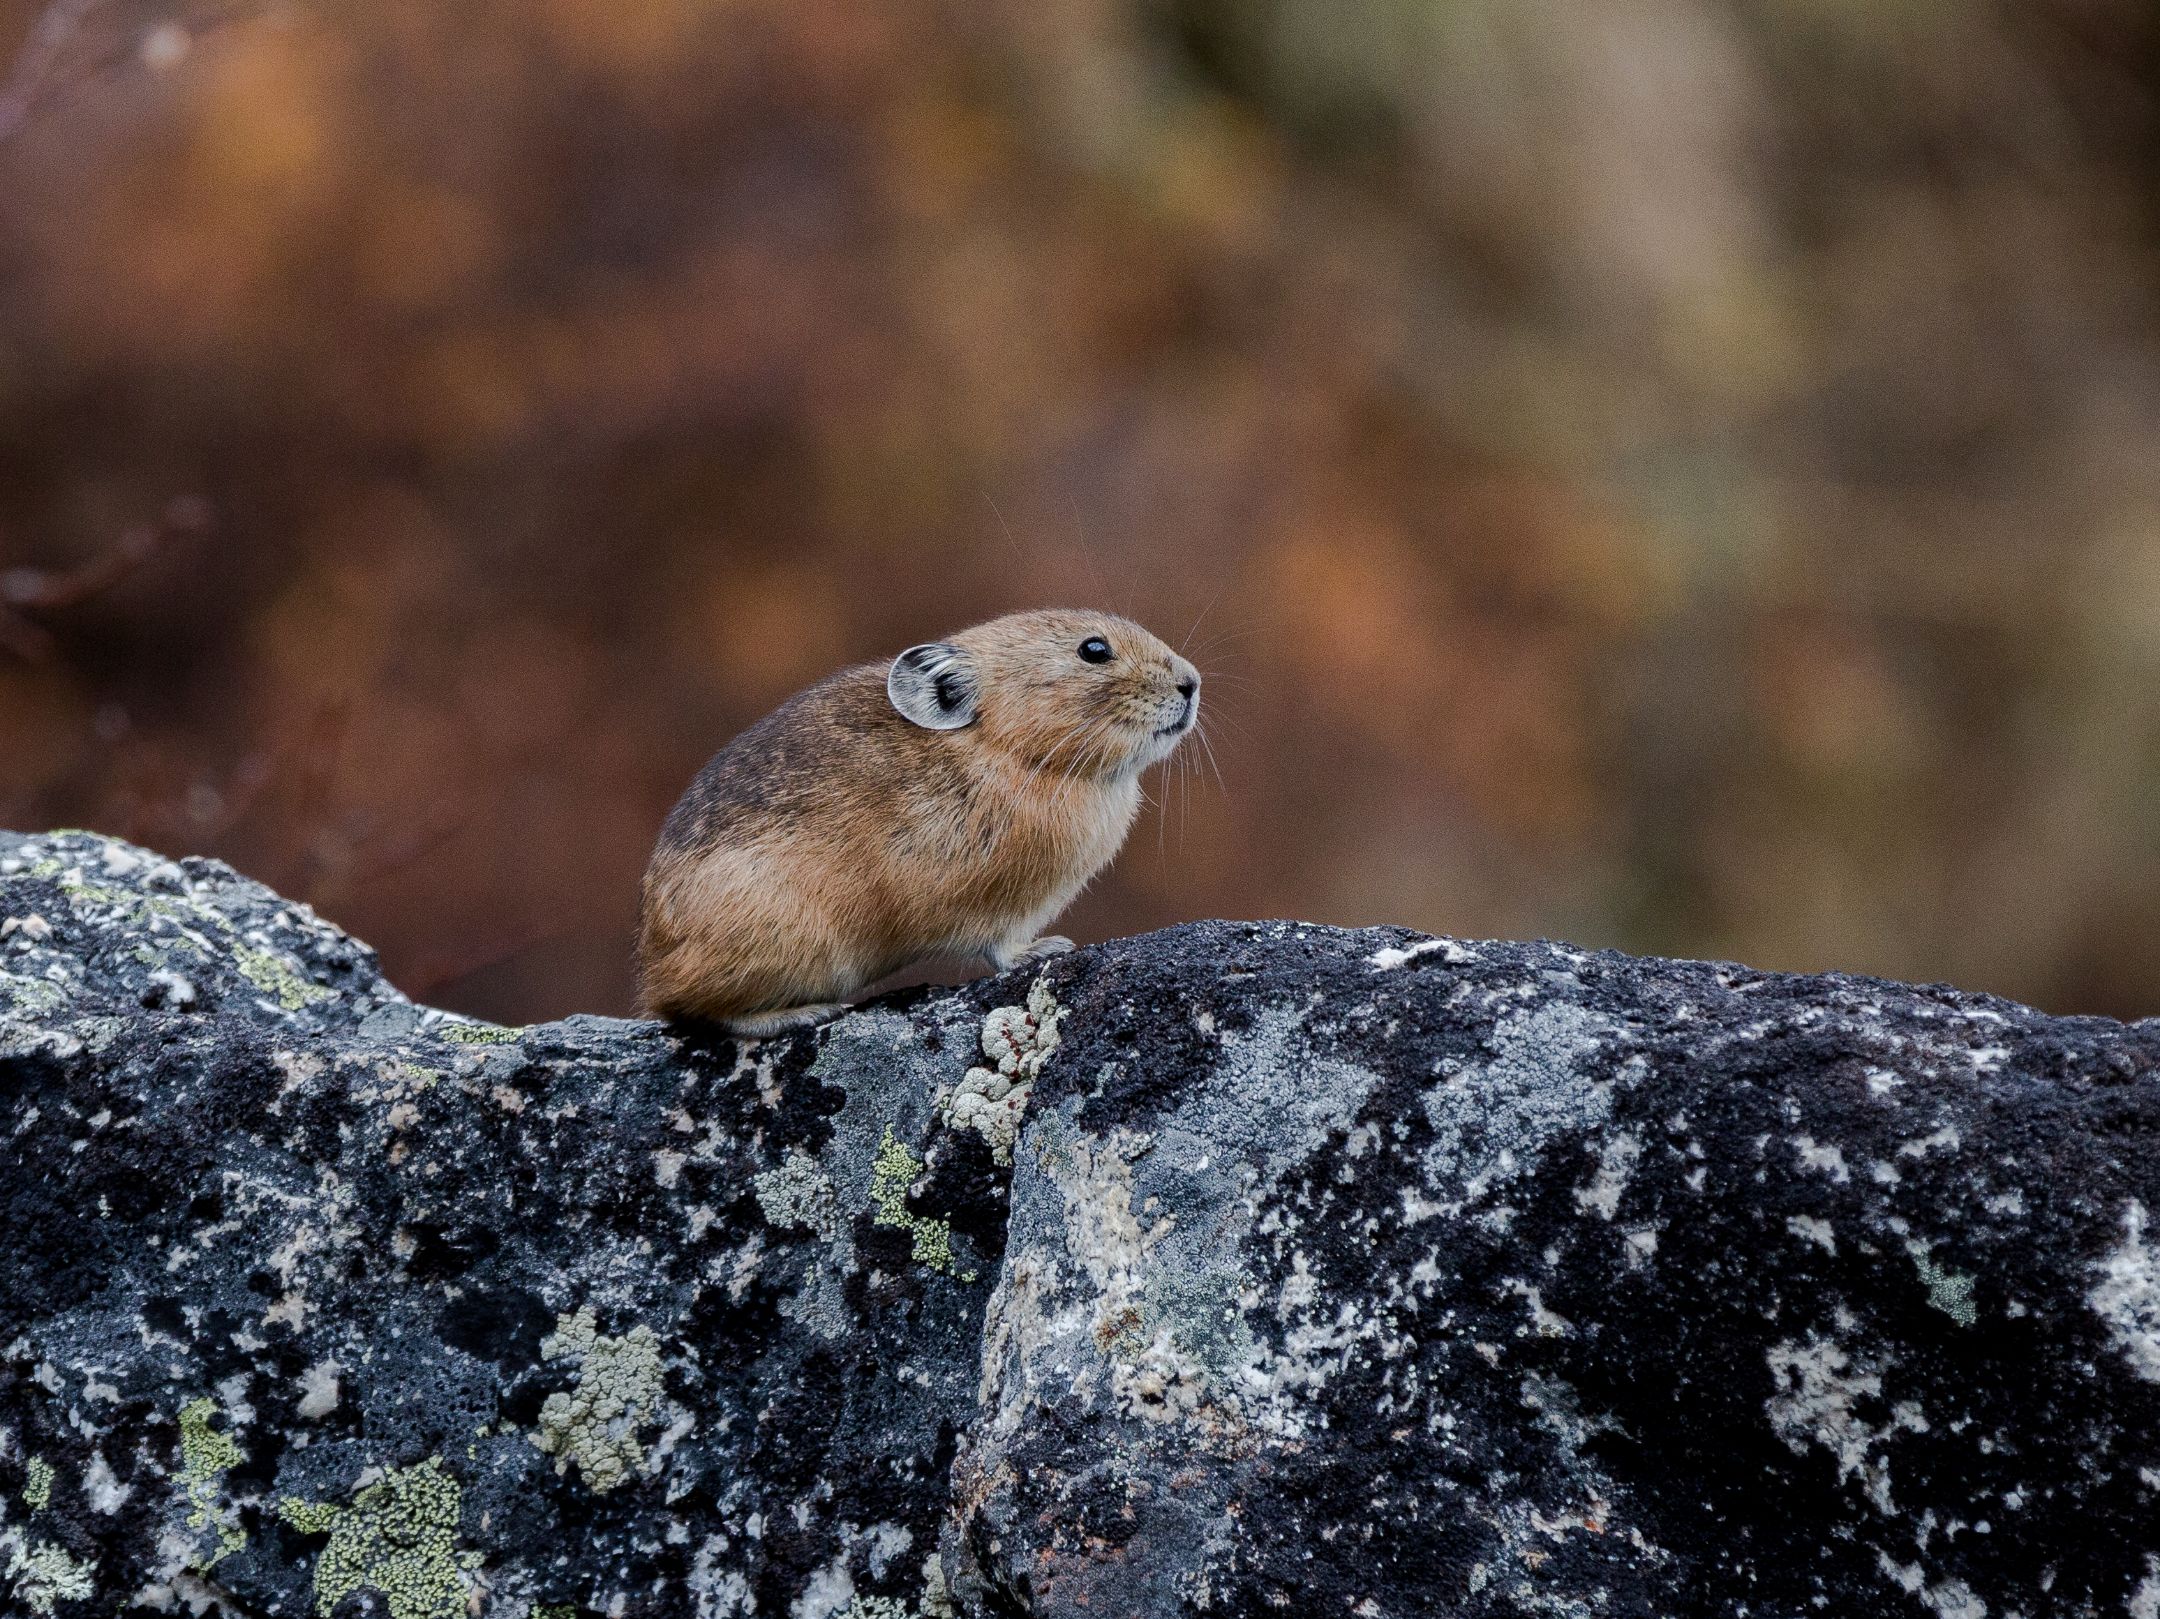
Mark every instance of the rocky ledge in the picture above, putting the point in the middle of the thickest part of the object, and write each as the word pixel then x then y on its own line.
pixel 1238 1269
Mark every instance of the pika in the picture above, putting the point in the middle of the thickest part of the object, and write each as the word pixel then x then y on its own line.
pixel 950 803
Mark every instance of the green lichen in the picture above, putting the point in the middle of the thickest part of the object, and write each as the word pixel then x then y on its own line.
pixel 891 1174
pixel 37 1483
pixel 182 913
pixel 205 1457
pixel 479 1034
pixel 399 1537
pixel 45 1574
pixel 31 998
pixel 77 887
pixel 1949 1291
pixel 274 976
pixel 556 1610
pixel 595 1424
pixel 309 1517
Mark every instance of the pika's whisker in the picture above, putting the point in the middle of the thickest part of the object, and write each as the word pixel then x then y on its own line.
pixel 1202 619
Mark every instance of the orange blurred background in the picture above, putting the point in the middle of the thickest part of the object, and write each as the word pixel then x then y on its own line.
pixel 1676 474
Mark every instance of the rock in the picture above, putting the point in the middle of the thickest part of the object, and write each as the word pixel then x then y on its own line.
pixel 1330 1273
pixel 316 1296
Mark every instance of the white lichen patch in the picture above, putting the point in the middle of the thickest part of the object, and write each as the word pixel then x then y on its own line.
pixel 1952 1599
pixel 319 1390
pixel 102 1488
pixel 595 1423
pixel 1151 1376
pixel 1944 1139
pixel 1809 1229
pixel 2145 1600
pixel 1017 1040
pixel 1448 950
pixel 45 1575
pixel 1493 1123
pixel 1881 1082
pixel 1823 1160
pixel 829 1593
pixel 1616 1167
pixel 2127 1296
pixel 1820 1392
pixel 1546 1322
pixel 798 1195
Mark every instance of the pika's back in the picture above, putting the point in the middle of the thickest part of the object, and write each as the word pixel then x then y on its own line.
pixel 950 802
pixel 834 749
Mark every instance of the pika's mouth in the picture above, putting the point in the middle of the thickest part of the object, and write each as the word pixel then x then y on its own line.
pixel 1183 723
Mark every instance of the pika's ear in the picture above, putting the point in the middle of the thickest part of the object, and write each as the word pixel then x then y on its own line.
pixel 933 685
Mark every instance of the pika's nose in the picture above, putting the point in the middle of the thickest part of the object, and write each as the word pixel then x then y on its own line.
pixel 1188 685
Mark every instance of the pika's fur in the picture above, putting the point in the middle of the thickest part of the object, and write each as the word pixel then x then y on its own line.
pixel 949 803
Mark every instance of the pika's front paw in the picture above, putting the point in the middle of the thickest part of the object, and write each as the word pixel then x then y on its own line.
pixel 757 1025
pixel 1005 957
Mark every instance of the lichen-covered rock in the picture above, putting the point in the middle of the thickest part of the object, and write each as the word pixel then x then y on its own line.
pixel 310 1296
pixel 1351 1275
pixel 1330 1273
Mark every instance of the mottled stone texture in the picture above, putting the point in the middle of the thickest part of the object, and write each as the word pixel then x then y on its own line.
pixel 1332 1273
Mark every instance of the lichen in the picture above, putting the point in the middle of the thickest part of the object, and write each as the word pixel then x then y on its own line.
pixel 478 1034
pixel 1018 1040
pixel 274 976
pixel 309 1517
pixel 2127 1296
pixel 937 1601
pixel 891 1175
pixel 798 1195
pixel 1824 1397
pixel 37 1483
pixel 45 1574
pixel 617 1392
pixel 31 998
pixel 1949 1291
pixel 205 1457
pixel 556 1610
pixel 399 1537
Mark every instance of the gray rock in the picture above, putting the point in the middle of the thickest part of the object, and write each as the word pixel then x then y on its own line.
pixel 1326 1273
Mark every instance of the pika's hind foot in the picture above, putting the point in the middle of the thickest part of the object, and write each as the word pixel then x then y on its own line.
pixel 757 1025
pixel 1004 957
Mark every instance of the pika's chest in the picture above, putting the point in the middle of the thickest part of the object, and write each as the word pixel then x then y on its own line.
pixel 1043 838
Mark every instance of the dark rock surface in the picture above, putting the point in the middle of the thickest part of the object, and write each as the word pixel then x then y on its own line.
pixel 1329 1273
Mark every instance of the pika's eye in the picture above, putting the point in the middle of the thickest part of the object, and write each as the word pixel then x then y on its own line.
pixel 1095 650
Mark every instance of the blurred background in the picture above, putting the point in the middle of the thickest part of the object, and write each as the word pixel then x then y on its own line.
pixel 1674 474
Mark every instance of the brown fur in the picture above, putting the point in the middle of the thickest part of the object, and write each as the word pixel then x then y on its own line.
pixel 835 842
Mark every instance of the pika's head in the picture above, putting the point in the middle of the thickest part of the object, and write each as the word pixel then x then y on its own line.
pixel 1091 694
